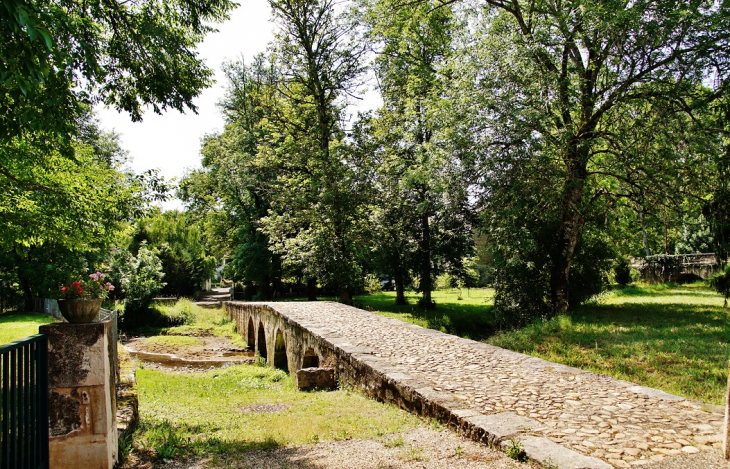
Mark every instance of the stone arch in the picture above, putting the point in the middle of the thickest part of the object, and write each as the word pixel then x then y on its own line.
pixel 280 360
pixel 311 359
pixel 251 339
pixel 261 342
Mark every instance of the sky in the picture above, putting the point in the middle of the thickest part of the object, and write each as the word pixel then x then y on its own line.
pixel 171 142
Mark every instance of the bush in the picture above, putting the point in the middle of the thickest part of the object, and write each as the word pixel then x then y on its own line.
pixel 721 283
pixel 445 281
pixel 522 280
pixel 372 284
pixel 141 279
pixel 622 271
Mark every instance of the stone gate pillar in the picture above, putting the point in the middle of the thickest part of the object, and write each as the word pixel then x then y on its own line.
pixel 81 396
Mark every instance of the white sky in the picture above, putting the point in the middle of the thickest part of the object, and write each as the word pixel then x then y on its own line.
pixel 171 142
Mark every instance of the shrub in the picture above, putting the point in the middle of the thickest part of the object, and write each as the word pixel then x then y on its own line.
pixel 140 278
pixel 721 283
pixel 622 271
pixel 445 281
pixel 372 284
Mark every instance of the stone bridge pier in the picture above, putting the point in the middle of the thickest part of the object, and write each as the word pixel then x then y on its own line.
pixel 280 341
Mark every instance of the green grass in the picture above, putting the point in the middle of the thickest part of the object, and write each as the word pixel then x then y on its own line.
pixel 674 338
pixel 204 413
pixel 466 313
pixel 14 326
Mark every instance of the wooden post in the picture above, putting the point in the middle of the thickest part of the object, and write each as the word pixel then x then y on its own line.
pixel 726 445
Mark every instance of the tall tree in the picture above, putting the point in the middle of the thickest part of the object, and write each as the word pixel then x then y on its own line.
pixel 418 206
pixel 233 191
pixel 315 217
pixel 558 79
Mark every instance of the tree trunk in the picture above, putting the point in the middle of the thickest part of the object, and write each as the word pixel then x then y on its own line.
pixel 312 289
pixel 28 296
pixel 570 226
pixel 426 286
pixel 346 296
pixel 400 297
pixel 647 249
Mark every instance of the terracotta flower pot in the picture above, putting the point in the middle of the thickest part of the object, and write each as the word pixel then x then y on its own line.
pixel 80 310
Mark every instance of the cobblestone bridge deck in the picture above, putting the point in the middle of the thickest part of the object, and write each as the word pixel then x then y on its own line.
pixel 565 416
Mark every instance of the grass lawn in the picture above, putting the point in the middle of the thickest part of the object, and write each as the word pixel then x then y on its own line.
pixel 14 326
pixel 248 407
pixel 672 338
pixel 466 313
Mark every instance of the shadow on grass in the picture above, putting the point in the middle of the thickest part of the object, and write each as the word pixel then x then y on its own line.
pixel 469 319
pixel 680 347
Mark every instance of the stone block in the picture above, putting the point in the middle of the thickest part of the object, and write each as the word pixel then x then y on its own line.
pixel 81 402
pixel 546 452
pixel 316 378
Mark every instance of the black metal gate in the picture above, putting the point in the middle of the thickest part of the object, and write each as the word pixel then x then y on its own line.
pixel 24 404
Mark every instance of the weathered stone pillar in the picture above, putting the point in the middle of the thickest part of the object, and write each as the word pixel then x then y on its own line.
pixel 81 396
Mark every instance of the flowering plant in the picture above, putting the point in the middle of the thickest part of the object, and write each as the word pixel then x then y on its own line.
pixel 94 287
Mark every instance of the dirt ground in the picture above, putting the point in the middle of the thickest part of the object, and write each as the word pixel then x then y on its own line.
pixel 213 347
pixel 422 448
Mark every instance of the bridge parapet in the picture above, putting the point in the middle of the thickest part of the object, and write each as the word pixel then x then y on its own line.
pixel 680 268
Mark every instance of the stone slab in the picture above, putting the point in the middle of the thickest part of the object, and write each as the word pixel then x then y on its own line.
pixel 549 454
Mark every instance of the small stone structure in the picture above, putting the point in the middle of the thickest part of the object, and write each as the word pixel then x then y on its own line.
pixel 316 378
pixel 82 396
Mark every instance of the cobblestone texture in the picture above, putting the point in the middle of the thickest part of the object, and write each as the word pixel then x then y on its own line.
pixel 613 420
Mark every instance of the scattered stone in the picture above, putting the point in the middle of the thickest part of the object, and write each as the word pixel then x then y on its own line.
pixel 263 409
pixel 316 378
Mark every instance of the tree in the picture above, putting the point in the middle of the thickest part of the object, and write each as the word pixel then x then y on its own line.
pixel 314 222
pixel 60 54
pixel 421 215
pixel 556 81
pixel 67 218
pixel 181 248
pixel 233 191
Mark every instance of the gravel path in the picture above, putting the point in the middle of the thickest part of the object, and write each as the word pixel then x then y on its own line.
pixel 421 448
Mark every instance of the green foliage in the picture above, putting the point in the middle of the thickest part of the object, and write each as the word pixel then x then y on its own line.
pixel 421 218
pixel 58 55
pixel 372 284
pixel 233 191
pixel 181 248
pixel 622 271
pixel 516 451
pixel 140 279
pixel 445 281
pixel 566 112
pixel 721 283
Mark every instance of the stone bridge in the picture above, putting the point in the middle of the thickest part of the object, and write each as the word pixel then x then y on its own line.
pixel 564 417
pixel 679 268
